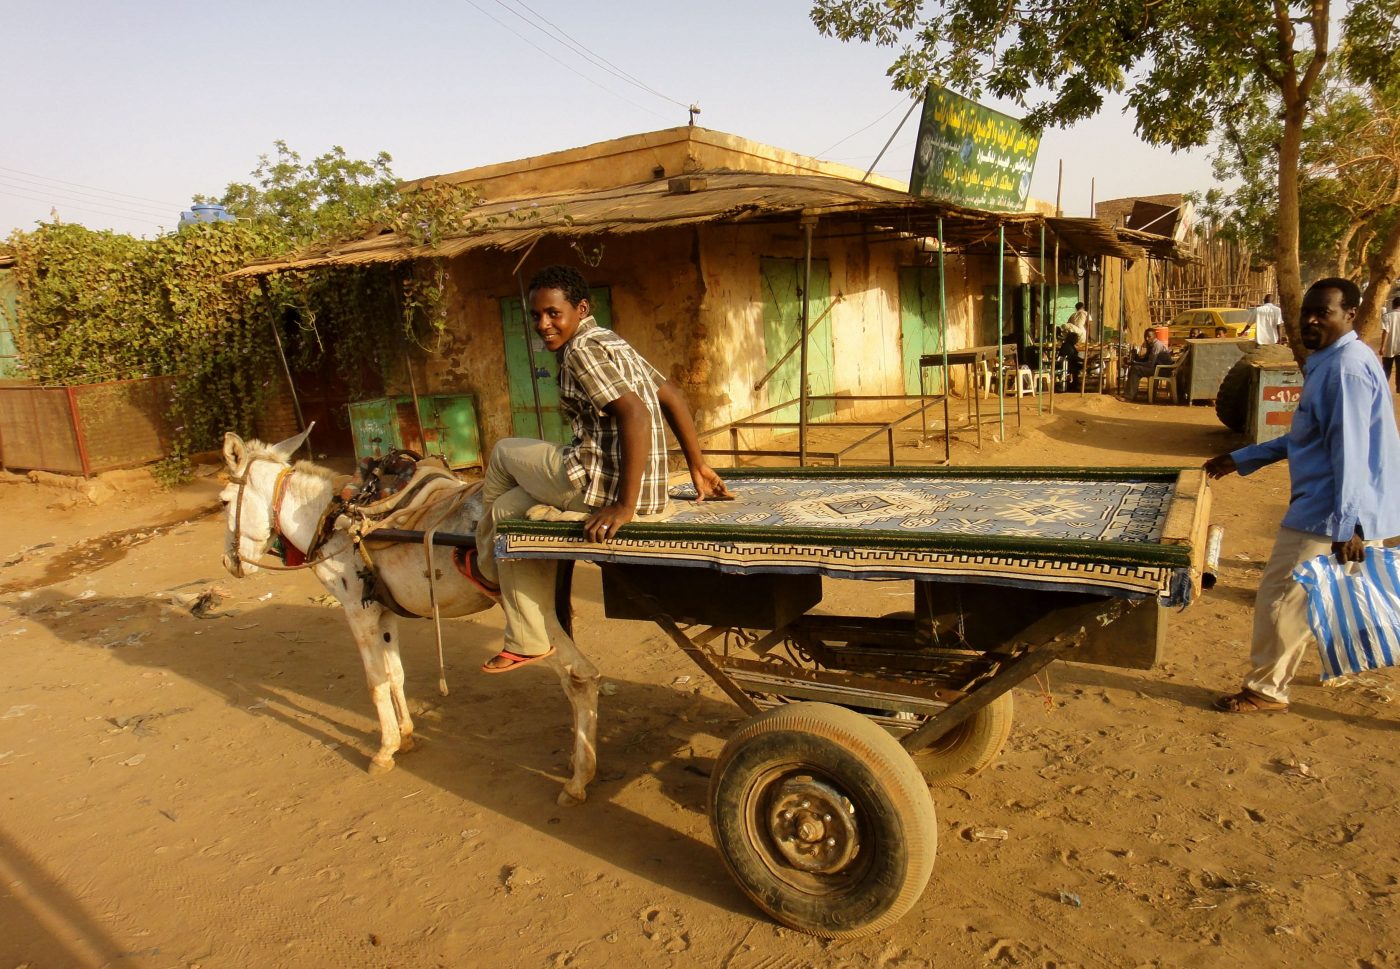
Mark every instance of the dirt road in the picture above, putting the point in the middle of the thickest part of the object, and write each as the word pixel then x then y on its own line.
pixel 184 791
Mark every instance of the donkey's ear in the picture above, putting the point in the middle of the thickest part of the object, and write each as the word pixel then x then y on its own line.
pixel 233 450
pixel 285 449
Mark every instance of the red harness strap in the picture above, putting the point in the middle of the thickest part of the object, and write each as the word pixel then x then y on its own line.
pixel 291 555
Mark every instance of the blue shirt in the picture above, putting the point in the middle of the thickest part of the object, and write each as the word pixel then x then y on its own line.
pixel 1343 452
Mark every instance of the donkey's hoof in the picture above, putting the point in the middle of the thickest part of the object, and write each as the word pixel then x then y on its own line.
pixel 380 765
pixel 409 742
pixel 566 799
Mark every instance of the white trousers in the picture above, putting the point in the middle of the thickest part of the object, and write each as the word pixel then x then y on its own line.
pixel 1281 634
pixel 524 472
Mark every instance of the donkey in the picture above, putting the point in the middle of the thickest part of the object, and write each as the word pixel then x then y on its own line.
pixel 267 496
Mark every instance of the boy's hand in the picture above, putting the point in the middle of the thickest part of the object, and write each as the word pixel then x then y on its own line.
pixel 604 523
pixel 707 483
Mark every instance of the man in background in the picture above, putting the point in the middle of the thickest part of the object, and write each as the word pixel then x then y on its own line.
pixel 1146 359
pixel 1390 340
pixel 1267 322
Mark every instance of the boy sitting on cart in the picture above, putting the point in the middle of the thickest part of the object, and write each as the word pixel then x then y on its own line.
pixel 614 470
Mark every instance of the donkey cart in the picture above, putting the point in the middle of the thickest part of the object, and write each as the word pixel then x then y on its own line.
pixel 819 803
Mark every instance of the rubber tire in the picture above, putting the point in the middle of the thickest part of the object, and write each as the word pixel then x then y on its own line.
pixel 971 746
pixel 1232 399
pixel 899 834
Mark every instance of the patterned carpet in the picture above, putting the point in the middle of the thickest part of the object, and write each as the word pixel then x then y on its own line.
pixel 1107 511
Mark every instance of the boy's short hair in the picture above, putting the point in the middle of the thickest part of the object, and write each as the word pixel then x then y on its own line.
pixel 566 279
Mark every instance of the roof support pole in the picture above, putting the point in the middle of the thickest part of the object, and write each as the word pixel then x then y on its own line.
pixel 943 339
pixel 281 353
pixel 530 351
pixel 1054 323
pixel 1038 337
pixel 1001 316
pixel 804 391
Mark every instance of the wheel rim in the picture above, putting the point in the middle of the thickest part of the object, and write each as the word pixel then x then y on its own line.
pixel 807 829
pixel 813 825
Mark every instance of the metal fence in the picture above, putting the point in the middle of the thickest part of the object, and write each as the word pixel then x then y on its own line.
pixel 85 429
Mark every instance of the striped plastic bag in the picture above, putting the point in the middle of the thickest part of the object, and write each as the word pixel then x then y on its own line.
pixel 1354 610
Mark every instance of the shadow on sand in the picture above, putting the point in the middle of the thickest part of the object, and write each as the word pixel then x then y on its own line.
pixel 502 743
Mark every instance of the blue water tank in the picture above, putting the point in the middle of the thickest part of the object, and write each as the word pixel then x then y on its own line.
pixel 206 212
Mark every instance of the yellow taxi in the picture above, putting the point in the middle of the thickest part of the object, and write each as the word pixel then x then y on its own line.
pixel 1235 320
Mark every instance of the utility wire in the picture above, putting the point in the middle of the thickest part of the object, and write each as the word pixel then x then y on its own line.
pixel 872 124
pixel 143 220
pixel 72 194
pixel 597 59
pixel 46 178
pixel 564 64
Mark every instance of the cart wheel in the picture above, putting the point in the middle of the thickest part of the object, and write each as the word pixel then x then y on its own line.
pixel 823 820
pixel 969 747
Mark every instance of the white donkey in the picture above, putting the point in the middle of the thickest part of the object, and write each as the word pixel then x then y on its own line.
pixel 267 495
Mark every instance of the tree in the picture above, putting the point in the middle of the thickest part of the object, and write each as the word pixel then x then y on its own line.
pixel 330 196
pixel 1187 67
pixel 1349 185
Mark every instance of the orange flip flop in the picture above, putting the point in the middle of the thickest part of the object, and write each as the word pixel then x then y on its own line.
pixel 516 661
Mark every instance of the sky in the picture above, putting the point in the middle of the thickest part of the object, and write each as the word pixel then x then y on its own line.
pixel 118 113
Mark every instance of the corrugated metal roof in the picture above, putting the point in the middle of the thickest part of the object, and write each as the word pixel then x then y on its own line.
pixel 729 197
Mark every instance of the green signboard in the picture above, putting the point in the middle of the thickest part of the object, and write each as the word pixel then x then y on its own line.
pixel 971 155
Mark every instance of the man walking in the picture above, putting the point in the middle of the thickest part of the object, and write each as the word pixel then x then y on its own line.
pixel 1267 321
pixel 1344 465
pixel 1390 340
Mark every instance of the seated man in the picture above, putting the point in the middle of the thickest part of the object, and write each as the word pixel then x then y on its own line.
pixel 1146 359
pixel 1074 363
pixel 614 470
pixel 1221 333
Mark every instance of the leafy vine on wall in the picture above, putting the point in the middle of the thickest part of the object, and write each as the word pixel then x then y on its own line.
pixel 97 305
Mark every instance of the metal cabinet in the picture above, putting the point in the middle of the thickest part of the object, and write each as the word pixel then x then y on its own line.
pixel 447 427
pixel 1276 391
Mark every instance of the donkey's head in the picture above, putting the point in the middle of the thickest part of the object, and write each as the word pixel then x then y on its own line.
pixel 253 468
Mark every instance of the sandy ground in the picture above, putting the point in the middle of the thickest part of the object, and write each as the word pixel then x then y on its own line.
pixel 187 792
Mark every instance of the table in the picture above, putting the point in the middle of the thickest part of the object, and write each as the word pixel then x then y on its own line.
pixel 819 803
pixel 971 359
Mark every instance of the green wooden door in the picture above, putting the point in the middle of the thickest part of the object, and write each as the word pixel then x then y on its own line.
pixel 550 423
pixel 782 327
pixel 920 326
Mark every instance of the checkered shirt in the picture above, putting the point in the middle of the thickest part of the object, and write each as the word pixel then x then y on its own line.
pixel 597 367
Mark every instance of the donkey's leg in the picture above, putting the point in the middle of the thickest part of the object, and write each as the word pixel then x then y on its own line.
pixel 365 627
pixel 389 636
pixel 527 587
pixel 580 679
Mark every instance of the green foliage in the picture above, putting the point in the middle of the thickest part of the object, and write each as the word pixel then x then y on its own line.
pixel 1184 65
pixel 98 306
pixel 1349 178
pixel 327 197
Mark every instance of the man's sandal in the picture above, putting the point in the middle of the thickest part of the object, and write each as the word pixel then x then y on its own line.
pixel 1247 701
pixel 513 661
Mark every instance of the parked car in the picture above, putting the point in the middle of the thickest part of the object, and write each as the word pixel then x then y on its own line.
pixel 1235 320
